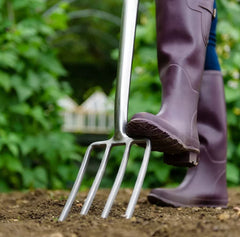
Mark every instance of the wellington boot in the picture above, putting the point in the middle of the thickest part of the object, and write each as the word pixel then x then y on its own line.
pixel 182 34
pixel 204 185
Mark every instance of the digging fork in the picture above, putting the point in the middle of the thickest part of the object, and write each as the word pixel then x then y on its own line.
pixel 128 29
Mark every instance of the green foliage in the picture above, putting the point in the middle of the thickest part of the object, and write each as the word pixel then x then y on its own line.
pixel 33 150
pixel 85 45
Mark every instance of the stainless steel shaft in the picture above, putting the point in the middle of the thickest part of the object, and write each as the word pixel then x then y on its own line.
pixel 129 18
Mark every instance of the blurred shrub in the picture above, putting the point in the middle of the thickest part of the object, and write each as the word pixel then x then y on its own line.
pixel 33 150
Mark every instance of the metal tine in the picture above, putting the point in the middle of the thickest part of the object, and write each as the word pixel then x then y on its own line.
pixel 77 184
pixel 118 180
pixel 97 180
pixel 139 182
pixel 78 181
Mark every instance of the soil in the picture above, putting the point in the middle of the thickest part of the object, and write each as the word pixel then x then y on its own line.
pixel 35 213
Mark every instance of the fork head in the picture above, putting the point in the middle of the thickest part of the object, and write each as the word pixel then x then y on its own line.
pixel 108 145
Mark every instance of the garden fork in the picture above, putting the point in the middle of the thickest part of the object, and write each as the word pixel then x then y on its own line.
pixel 129 18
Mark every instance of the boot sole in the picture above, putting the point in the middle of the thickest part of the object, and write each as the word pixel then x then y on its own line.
pixel 161 140
pixel 154 199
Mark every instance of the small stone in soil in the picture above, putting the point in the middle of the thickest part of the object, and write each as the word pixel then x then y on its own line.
pixel 224 216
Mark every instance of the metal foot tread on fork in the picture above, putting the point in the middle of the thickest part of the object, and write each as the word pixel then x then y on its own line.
pixel 128 29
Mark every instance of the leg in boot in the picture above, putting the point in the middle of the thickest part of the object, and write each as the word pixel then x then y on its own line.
pixel 204 185
pixel 182 32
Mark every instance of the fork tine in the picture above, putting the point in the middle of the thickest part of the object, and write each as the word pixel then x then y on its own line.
pixel 139 182
pixel 76 185
pixel 117 182
pixel 97 181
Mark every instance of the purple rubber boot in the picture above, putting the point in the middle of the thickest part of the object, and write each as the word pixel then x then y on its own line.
pixel 204 185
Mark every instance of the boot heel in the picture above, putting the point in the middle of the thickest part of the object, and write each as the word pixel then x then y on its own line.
pixel 186 159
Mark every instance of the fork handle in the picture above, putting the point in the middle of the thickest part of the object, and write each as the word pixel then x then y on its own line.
pixel 128 29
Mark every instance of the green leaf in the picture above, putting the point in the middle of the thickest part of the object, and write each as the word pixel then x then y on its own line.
pixel 19 4
pixel 31 53
pixel 13 164
pixel 63 171
pixel 57 183
pixel 8 59
pixel 28 178
pixel 161 171
pixel 28 144
pixel 38 114
pixel 13 148
pixel 58 19
pixel 33 80
pixel 231 94
pixel 50 62
pixel 22 109
pixel 41 177
pixel 23 91
pixel 1 3
pixel 5 81
pixel 3 185
pixel 232 173
pixel 3 120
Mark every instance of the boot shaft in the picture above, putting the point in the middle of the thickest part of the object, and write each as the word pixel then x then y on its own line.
pixel 182 34
pixel 210 175
pixel 212 125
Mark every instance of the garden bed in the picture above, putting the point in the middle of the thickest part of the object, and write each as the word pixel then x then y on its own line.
pixel 35 213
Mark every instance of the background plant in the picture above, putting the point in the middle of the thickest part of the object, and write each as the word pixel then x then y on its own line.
pixel 33 150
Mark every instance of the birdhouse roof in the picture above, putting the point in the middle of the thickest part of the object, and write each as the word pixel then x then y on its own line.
pixel 98 101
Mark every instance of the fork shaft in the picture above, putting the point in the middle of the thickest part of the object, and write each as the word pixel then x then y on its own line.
pixel 129 17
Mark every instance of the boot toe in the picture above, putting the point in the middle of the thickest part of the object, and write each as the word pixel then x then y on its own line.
pixel 179 197
pixel 162 197
pixel 164 137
